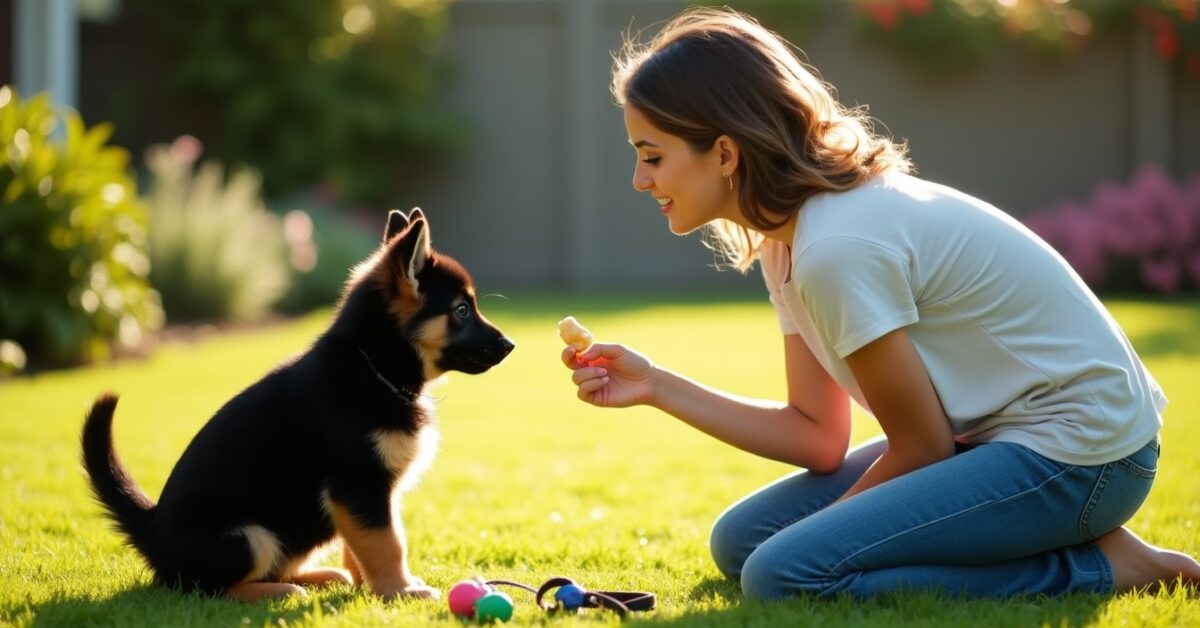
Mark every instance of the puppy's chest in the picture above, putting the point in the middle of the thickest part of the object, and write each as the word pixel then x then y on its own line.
pixel 408 454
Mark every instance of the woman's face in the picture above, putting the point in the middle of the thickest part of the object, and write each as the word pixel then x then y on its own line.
pixel 689 186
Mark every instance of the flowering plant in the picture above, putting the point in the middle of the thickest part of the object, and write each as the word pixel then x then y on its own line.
pixel 1144 235
pixel 961 32
pixel 1175 25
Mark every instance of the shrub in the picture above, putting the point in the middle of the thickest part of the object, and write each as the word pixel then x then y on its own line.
pixel 73 268
pixel 320 91
pixel 216 253
pixel 1143 236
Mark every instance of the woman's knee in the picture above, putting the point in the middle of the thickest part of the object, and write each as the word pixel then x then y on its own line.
pixel 765 577
pixel 760 579
pixel 729 544
pixel 770 573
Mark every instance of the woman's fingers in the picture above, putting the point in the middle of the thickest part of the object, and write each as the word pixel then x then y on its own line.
pixel 590 386
pixel 599 350
pixel 575 360
pixel 568 358
pixel 583 374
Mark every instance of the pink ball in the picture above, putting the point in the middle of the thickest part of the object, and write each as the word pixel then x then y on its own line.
pixel 463 596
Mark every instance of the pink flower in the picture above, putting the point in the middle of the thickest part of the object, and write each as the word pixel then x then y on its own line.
pixel 186 149
pixel 1150 221
pixel 1161 273
pixel 1118 225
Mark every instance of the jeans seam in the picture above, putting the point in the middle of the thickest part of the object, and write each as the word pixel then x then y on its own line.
pixel 1136 468
pixel 1093 499
pixel 856 553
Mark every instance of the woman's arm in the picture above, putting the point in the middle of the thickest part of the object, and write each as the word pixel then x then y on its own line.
pixel 897 387
pixel 812 430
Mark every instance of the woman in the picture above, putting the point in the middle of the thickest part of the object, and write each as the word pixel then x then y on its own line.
pixel 1020 428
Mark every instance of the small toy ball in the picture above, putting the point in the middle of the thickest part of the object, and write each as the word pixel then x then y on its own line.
pixel 570 596
pixel 464 595
pixel 494 605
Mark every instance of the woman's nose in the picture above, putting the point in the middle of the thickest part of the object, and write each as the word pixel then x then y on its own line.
pixel 641 182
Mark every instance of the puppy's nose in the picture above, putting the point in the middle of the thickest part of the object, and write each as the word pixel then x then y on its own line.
pixel 507 345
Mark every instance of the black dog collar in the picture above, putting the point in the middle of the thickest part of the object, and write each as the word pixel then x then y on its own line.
pixel 404 394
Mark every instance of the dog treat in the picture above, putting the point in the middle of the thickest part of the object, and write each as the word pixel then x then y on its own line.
pixel 574 334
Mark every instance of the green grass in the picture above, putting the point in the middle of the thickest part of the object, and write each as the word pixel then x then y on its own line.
pixel 530 482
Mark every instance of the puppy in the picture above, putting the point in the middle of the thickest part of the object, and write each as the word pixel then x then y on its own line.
pixel 320 448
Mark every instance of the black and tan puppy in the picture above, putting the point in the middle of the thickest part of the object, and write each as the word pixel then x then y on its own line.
pixel 319 448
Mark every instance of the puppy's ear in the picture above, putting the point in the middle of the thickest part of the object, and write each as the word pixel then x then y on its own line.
pixel 412 249
pixel 395 224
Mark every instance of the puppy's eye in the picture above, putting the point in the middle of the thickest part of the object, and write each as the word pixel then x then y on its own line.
pixel 462 311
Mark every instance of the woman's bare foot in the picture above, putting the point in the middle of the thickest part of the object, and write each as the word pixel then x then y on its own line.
pixel 1137 565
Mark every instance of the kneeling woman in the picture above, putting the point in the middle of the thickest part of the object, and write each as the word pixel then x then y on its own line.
pixel 1021 428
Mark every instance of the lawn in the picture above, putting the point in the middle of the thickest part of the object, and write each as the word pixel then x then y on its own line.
pixel 530 483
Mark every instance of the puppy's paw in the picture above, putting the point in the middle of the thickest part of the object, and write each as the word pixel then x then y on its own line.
pixel 421 591
pixel 324 576
pixel 414 590
pixel 255 591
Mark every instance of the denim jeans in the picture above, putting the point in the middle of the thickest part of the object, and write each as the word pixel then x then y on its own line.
pixel 993 520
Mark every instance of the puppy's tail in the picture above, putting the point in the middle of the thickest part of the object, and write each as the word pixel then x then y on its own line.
pixel 126 503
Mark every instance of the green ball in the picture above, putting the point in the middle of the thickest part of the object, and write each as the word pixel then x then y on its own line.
pixel 494 606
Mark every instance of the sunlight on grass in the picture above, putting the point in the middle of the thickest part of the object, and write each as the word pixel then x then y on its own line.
pixel 530 483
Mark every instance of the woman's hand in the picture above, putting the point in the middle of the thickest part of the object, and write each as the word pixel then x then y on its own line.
pixel 611 375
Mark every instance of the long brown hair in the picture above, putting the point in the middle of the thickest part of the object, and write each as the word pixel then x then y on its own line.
pixel 712 72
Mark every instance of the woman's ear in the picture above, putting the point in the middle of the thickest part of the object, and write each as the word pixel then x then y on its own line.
pixel 729 154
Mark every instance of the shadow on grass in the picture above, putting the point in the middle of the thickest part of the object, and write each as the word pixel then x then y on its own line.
pixel 155 606
pixel 720 589
pixel 1161 328
pixel 891 610
pixel 1183 340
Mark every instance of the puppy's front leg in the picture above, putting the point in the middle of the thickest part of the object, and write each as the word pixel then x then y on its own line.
pixel 350 562
pixel 381 556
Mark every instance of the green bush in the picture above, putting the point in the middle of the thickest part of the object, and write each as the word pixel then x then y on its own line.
pixel 322 91
pixel 73 268
pixel 216 253
pixel 324 244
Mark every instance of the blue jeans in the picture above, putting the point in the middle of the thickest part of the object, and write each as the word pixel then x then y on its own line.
pixel 993 520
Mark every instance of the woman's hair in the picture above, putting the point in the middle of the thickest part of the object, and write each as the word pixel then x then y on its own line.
pixel 713 72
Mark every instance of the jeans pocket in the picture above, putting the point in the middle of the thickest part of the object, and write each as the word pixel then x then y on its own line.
pixel 1119 491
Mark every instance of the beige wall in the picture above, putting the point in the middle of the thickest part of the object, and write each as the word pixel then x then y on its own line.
pixel 542 196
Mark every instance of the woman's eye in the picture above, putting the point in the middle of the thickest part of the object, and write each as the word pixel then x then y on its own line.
pixel 651 160
pixel 462 311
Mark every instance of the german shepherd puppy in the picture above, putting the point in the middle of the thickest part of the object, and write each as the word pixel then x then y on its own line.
pixel 320 448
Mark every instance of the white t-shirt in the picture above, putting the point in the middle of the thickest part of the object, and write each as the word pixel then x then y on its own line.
pixel 1016 345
